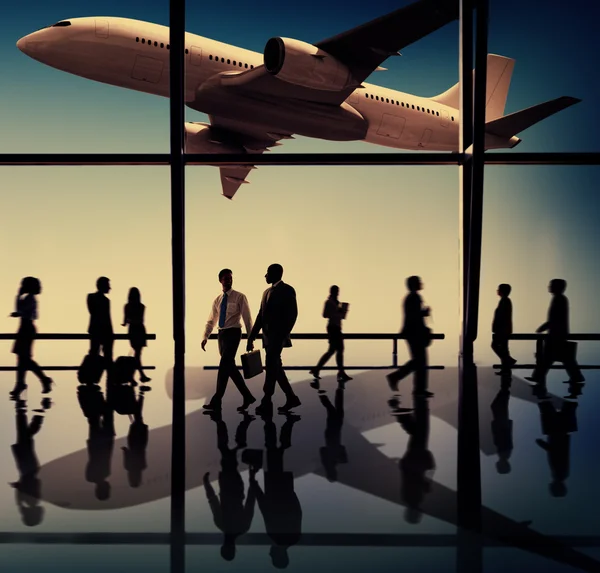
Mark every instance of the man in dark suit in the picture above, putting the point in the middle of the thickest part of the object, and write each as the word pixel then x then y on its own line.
pixel 556 345
pixel 100 328
pixel 276 317
pixel 418 338
pixel 502 328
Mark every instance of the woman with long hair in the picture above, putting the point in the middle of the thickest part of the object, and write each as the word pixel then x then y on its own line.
pixel 26 310
pixel 335 312
pixel 134 317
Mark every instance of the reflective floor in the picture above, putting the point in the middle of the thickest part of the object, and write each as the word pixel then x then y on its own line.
pixel 357 478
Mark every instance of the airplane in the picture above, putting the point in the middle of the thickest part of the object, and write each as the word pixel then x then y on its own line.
pixel 368 470
pixel 255 101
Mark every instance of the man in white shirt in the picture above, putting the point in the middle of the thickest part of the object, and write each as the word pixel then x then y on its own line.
pixel 226 311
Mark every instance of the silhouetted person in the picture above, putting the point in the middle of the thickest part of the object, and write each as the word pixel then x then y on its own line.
pixel 28 488
pixel 134 455
pixel 231 515
pixel 502 429
pixel 133 315
pixel 279 503
pixel 333 453
pixel 502 328
pixel 100 328
pixel 227 310
pixel 101 439
pixel 556 345
pixel 335 312
pixel 557 425
pixel 417 460
pixel 276 317
pixel 26 310
pixel 418 338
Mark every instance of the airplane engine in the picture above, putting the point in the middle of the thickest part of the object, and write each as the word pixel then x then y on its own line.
pixel 306 65
pixel 199 138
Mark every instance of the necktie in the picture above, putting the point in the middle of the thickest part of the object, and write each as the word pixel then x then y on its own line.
pixel 223 311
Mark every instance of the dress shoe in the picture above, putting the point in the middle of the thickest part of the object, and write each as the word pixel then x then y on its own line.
pixel 423 394
pixel 264 409
pixel 393 380
pixel 247 402
pixel 343 377
pixel 291 402
pixel 314 373
pixel 46 385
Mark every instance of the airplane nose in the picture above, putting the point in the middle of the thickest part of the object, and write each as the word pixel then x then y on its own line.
pixel 22 44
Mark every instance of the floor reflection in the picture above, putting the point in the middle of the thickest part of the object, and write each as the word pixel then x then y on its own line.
pixel 364 444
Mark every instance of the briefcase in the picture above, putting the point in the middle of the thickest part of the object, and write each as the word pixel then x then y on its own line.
pixel 252 364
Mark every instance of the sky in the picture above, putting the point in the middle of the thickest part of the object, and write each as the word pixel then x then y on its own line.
pixel 363 228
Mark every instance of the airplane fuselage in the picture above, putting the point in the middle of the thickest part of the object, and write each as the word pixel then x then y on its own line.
pixel 135 55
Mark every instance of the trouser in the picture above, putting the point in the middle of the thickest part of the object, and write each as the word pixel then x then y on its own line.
pixel 229 341
pixel 557 350
pixel 336 346
pixel 104 341
pixel 416 364
pixel 500 347
pixel 274 371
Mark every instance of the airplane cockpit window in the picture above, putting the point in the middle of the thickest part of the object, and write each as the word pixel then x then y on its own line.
pixel 61 24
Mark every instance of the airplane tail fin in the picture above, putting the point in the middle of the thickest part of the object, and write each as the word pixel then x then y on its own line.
pixel 514 123
pixel 499 74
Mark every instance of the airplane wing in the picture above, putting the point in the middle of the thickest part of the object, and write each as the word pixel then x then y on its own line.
pixel 361 49
pixel 364 48
pixel 251 138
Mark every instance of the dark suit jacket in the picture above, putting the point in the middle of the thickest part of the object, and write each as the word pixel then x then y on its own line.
pixel 558 317
pixel 503 318
pixel 277 316
pixel 414 325
pixel 100 322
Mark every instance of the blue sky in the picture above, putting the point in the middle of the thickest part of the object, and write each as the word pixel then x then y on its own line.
pixel 556 52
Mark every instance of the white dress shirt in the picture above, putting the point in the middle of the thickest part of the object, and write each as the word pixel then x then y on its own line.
pixel 237 307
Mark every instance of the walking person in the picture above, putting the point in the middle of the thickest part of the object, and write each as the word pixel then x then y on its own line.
pixel 26 310
pixel 418 338
pixel 502 329
pixel 276 317
pixel 556 346
pixel 227 309
pixel 133 315
pixel 335 312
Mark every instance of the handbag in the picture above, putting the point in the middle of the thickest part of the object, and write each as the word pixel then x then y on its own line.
pixel 252 364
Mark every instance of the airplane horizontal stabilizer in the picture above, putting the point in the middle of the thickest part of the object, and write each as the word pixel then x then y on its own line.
pixel 515 123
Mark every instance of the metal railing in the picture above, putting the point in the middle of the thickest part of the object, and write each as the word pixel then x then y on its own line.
pixel 539 347
pixel 65 336
pixel 394 337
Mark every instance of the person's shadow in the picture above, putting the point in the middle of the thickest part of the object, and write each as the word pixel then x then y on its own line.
pixel 502 427
pixel 557 425
pixel 417 464
pixel 279 503
pixel 333 452
pixel 28 488
pixel 101 437
pixel 231 515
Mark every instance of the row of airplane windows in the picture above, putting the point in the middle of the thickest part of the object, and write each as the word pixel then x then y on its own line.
pixel 210 57
pixel 419 108
pixel 243 65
